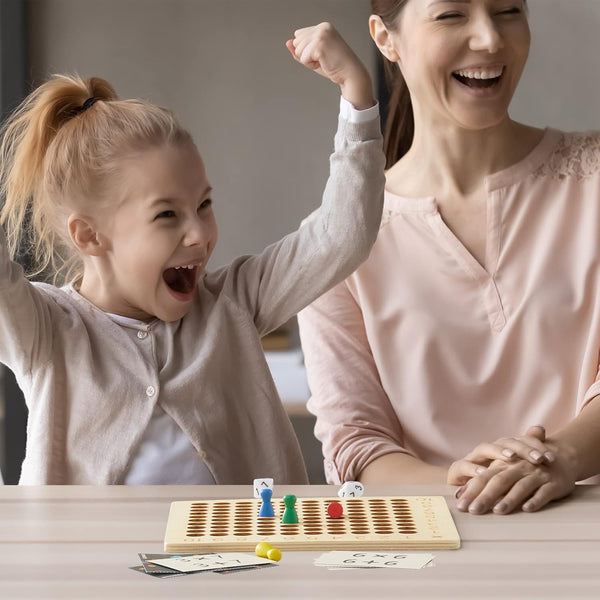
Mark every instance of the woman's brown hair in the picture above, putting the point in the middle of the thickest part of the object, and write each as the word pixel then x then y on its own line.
pixel 400 122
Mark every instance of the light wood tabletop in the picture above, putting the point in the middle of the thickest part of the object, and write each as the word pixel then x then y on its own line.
pixel 77 542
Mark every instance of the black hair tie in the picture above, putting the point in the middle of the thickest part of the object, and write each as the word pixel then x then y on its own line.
pixel 88 103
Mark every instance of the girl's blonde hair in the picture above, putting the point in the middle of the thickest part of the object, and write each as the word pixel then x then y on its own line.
pixel 58 156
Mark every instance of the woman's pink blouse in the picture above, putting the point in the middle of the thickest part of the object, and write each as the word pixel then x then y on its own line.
pixel 424 350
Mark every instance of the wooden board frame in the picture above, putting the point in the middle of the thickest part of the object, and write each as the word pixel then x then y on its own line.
pixel 368 523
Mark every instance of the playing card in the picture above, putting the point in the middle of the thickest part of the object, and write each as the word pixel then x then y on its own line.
pixel 140 569
pixel 362 560
pixel 152 568
pixel 211 562
pixel 244 568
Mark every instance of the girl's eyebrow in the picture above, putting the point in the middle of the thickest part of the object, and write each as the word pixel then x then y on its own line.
pixel 158 201
pixel 447 2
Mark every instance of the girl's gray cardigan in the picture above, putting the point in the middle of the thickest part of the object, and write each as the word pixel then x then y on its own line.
pixel 91 383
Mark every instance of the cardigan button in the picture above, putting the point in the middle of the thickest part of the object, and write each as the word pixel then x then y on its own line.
pixel 142 335
pixel 150 391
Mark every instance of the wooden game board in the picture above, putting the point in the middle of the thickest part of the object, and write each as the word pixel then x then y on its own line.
pixel 368 523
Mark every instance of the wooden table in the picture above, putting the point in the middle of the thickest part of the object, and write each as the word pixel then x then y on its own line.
pixel 76 542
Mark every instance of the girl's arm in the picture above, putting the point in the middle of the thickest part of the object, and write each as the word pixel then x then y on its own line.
pixel 25 320
pixel 288 275
pixel 322 49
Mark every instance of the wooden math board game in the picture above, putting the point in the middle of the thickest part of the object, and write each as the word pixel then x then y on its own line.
pixel 368 523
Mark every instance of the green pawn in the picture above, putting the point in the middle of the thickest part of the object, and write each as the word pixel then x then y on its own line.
pixel 290 516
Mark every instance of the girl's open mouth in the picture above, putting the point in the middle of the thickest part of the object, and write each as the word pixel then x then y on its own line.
pixel 181 280
pixel 479 78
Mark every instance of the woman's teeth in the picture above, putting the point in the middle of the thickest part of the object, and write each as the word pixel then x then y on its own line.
pixel 491 74
pixel 186 267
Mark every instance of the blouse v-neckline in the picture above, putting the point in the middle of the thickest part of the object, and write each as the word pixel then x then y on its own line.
pixel 482 275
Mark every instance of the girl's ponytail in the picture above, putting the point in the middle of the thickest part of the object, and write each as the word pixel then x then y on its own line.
pixel 61 152
pixel 26 136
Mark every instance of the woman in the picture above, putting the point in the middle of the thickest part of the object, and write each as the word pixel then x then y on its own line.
pixel 477 314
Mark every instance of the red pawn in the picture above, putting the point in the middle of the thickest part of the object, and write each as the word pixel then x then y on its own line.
pixel 335 510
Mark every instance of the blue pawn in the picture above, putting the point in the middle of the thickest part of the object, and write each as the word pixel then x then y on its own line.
pixel 266 508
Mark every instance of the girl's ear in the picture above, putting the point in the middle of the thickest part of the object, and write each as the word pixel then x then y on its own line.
pixel 382 38
pixel 84 235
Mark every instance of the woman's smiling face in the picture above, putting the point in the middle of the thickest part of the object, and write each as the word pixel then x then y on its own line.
pixel 461 59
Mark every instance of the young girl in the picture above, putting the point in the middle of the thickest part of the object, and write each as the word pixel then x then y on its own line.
pixel 145 368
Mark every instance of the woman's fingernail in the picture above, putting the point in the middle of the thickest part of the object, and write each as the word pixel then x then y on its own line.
pixel 528 506
pixel 477 507
pixel 463 505
pixel 500 508
pixel 479 470
pixel 535 455
pixel 459 491
pixel 549 456
pixel 508 453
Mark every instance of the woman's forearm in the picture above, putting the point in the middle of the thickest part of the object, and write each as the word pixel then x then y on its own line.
pixel 581 438
pixel 401 468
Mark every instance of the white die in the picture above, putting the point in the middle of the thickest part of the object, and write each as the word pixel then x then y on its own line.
pixel 262 484
pixel 351 489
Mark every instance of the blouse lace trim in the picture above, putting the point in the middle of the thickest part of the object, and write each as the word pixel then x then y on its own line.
pixel 577 155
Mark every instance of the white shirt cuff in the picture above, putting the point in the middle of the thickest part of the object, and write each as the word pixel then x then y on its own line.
pixel 352 115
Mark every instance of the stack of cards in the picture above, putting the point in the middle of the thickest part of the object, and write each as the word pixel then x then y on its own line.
pixel 176 565
pixel 369 560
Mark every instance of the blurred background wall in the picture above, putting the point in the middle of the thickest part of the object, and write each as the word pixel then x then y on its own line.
pixel 561 83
